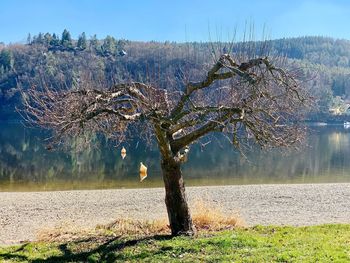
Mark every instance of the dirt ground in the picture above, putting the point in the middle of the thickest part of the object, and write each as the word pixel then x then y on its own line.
pixel 23 214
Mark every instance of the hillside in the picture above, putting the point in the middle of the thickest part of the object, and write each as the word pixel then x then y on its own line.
pixel 63 62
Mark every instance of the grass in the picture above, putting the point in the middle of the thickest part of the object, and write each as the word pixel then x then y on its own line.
pixel 325 243
pixel 219 238
pixel 206 216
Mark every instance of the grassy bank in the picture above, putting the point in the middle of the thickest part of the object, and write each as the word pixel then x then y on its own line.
pixel 326 243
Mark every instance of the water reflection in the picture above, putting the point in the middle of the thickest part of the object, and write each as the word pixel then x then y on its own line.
pixel 26 165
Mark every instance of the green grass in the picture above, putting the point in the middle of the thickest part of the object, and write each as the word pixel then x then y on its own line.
pixel 325 243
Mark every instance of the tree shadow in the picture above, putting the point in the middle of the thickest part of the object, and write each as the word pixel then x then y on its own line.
pixel 13 254
pixel 103 252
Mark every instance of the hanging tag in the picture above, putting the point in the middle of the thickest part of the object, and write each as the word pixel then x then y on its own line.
pixel 123 153
pixel 143 172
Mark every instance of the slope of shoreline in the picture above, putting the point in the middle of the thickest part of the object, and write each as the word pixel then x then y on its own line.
pixel 23 214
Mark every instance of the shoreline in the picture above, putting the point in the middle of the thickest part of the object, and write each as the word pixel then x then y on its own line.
pixel 187 185
pixel 23 214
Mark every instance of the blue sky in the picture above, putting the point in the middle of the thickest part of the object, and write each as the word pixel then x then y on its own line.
pixel 180 20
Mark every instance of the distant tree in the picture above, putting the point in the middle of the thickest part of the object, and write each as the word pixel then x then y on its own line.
pixel 55 41
pixel 338 106
pixel 47 38
pixel 29 39
pixel 250 100
pixel 39 39
pixel 6 59
pixel 66 39
pixel 2 72
pixel 120 46
pixel 109 45
pixel 94 44
pixel 82 42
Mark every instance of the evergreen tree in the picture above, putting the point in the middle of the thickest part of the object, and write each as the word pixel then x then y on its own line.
pixel 40 39
pixel 109 45
pixel 29 39
pixel 55 41
pixel 6 59
pixel 66 39
pixel 82 43
pixel 94 45
pixel 47 38
pixel 2 72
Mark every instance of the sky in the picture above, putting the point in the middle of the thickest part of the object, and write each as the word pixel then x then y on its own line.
pixel 180 20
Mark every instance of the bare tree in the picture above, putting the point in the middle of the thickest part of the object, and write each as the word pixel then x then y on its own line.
pixel 251 100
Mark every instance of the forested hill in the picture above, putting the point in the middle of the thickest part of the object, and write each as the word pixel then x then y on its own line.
pixel 62 62
pixel 318 50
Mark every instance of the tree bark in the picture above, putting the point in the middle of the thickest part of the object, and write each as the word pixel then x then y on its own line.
pixel 175 199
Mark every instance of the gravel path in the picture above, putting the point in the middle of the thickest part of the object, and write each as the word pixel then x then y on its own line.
pixel 22 214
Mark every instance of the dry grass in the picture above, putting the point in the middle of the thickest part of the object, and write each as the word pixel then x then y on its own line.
pixel 206 216
pixel 209 216
pixel 136 227
pixel 64 232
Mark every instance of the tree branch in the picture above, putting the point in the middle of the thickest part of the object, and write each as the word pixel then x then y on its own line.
pixel 210 126
pixel 225 62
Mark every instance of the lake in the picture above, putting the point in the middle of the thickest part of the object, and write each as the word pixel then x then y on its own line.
pixel 26 165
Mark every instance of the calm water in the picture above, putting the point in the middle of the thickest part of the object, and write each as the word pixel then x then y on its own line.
pixel 25 164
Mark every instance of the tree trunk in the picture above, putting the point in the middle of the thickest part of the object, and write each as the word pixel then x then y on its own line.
pixel 175 199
